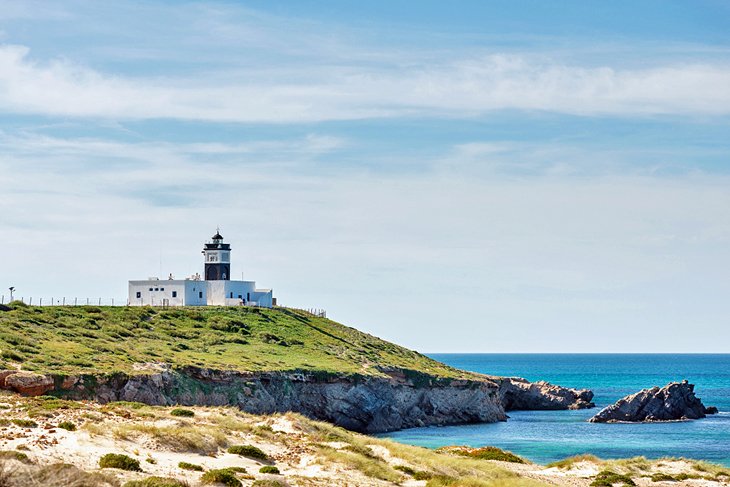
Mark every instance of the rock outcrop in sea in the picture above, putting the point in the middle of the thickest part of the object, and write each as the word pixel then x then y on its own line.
pixel 673 402
pixel 372 404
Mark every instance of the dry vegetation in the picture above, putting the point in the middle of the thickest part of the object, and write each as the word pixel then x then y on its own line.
pixel 220 446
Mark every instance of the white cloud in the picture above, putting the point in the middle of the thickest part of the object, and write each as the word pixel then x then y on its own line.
pixel 470 87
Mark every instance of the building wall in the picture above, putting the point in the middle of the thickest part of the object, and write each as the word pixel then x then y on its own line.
pixel 167 292
pixel 220 293
pixel 197 293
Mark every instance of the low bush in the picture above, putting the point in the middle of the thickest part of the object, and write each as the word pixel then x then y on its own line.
pixel 662 477
pixel 249 451
pixel 15 455
pixel 269 469
pixel 607 478
pixel 24 423
pixel 190 466
pixel 483 453
pixel 184 413
pixel 222 476
pixel 67 425
pixel 268 483
pixel 156 482
pixel 122 462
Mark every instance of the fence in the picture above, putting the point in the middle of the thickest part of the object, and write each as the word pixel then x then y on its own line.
pixel 53 301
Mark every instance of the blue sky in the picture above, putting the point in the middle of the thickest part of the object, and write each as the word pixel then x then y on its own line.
pixel 453 176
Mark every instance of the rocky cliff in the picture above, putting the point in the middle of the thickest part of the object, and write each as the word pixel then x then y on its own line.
pixel 675 401
pixel 404 399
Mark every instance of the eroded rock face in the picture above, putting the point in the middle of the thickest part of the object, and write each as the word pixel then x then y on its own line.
pixel 404 399
pixel 28 383
pixel 519 394
pixel 675 401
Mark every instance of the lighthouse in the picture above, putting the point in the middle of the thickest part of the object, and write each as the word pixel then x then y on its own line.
pixel 214 288
pixel 217 259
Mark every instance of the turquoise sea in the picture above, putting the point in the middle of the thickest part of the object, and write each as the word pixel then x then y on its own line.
pixel 545 436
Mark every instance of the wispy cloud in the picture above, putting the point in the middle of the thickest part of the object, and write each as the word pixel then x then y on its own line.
pixel 465 88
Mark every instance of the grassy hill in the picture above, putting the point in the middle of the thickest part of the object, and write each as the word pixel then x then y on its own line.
pixel 89 339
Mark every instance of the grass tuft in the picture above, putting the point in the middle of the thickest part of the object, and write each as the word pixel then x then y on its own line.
pixel 120 461
pixel 221 476
pixel 249 451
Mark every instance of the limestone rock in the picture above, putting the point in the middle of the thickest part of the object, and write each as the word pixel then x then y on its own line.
pixel 519 394
pixel 29 384
pixel 675 401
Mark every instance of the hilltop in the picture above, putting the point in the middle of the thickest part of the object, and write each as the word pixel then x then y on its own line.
pixel 260 360
pixel 90 339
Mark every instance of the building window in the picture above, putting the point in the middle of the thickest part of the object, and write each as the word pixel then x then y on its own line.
pixel 157 289
pixel 174 294
pixel 231 295
pixel 248 296
pixel 200 294
pixel 162 289
pixel 151 289
pixel 139 294
pixel 240 297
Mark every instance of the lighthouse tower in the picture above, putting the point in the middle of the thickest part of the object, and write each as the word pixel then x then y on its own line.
pixel 217 259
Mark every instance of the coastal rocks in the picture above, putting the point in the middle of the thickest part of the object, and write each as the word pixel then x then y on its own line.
pixel 370 404
pixel 519 394
pixel 675 401
pixel 28 383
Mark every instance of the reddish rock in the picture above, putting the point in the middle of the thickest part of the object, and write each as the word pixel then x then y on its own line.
pixel 29 384
pixel 3 375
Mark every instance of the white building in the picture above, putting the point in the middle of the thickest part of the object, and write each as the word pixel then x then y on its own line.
pixel 216 290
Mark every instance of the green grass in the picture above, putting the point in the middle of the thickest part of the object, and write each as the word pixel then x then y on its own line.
pixel 269 469
pixel 122 462
pixel 190 466
pixel 608 478
pixel 183 413
pixel 483 453
pixel 86 339
pixel 249 451
pixel 222 476
pixel 156 482
pixel 67 425
pixel 24 423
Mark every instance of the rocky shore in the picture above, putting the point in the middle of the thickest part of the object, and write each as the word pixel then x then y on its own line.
pixel 673 402
pixel 372 404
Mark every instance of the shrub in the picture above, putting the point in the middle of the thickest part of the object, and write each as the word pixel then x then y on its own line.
pixel 483 453
pixel 269 469
pixel 223 476
pixel 184 413
pixel 267 483
pixel 156 482
pixel 24 423
pixel 249 451
pixel 67 425
pixel 190 466
pixel 15 455
pixel 122 462
pixel 662 477
pixel 607 478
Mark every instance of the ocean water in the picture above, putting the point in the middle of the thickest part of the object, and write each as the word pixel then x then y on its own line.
pixel 546 436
